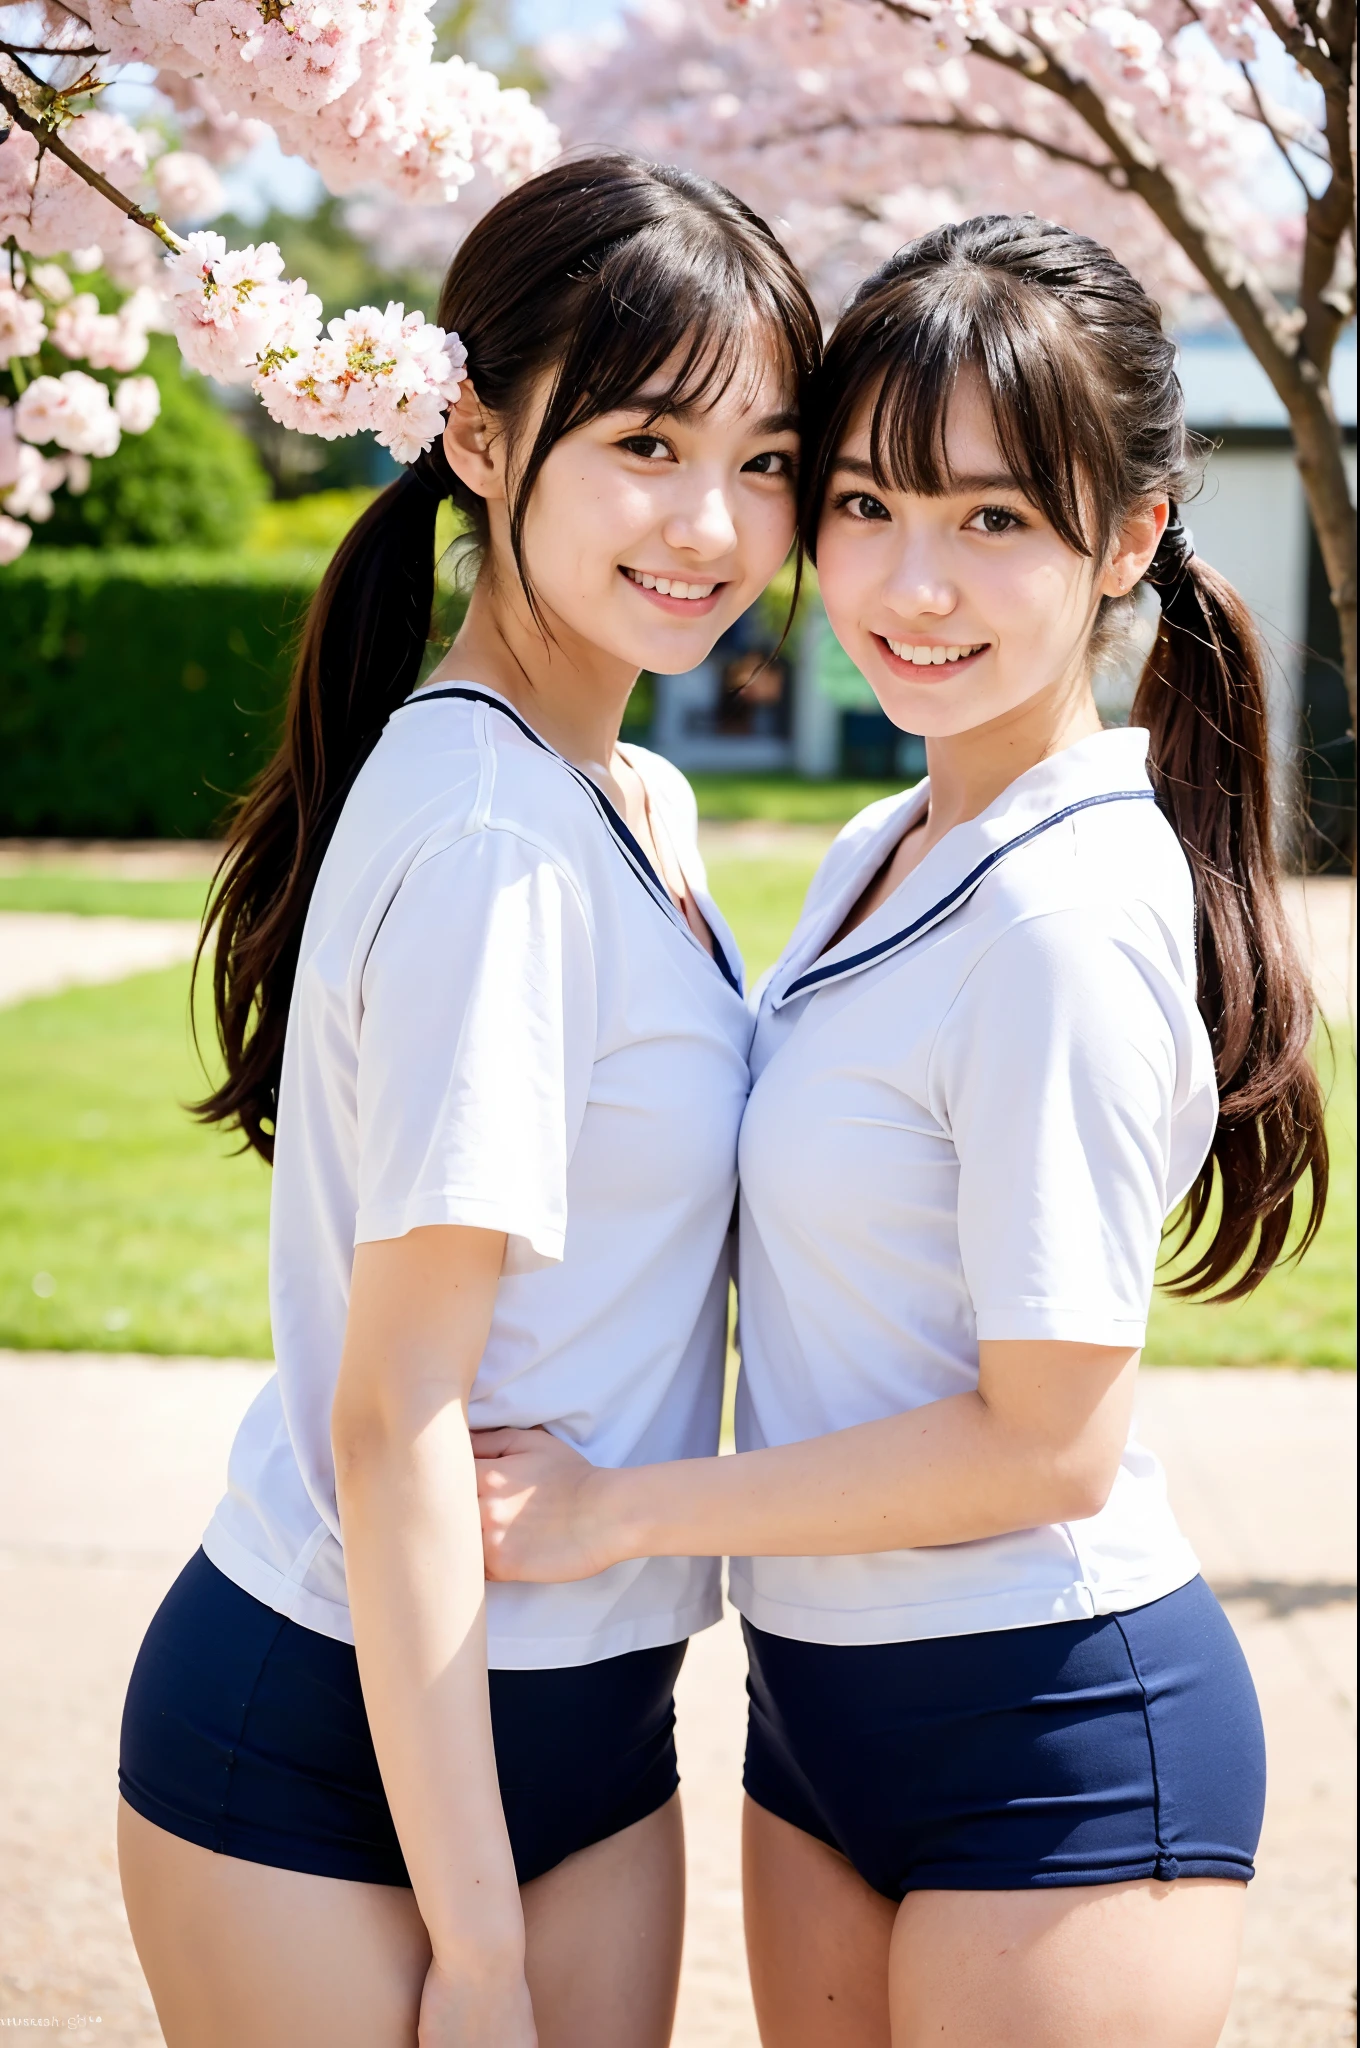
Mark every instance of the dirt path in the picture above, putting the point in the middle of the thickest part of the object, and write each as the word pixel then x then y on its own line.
pixel 109 1467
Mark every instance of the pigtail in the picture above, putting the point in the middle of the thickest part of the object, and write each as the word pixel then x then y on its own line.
pixel 1202 697
pixel 360 655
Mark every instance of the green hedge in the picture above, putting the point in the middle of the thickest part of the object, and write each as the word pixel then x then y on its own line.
pixel 140 690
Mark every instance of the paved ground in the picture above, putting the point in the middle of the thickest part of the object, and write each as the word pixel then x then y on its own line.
pixel 42 951
pixel 109 1467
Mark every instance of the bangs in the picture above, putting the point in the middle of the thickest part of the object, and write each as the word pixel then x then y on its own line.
pixel 681 299
pixel 901 356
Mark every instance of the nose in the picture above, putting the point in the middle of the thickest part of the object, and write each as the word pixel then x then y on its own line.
pixel 703 526
pixel 918 586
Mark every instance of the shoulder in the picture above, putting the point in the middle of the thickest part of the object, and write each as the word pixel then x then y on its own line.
pixel 1111 877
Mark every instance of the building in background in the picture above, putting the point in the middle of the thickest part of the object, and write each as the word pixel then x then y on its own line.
pixel 813 714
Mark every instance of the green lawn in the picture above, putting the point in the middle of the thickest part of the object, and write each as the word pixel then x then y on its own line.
pixel 99 896
pixel 124 1226
pixel 786 799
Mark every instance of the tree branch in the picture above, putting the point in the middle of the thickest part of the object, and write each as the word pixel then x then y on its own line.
pixel 975 131
pixel 1271 129
pixel 1301 47
pixel 47 138
pixel 42 50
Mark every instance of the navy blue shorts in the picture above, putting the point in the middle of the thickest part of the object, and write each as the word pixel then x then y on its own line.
pixel 1080 1752
pixel 247 1734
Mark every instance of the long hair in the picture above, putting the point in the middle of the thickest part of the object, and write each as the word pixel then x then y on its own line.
pixel 596 274
pixel 1090 417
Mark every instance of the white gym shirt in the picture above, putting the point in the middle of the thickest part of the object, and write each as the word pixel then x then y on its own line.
pixel 969 1119
pixel 500 1019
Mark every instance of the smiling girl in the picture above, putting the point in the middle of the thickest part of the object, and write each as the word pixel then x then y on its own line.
pixel 1004 1766
pixel 481 1013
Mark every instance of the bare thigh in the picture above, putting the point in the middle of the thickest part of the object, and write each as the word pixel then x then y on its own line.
pixel 604 1933
pixel 818 1940
pixel 236 1951
pixel 835 1965
pixel 1101 1966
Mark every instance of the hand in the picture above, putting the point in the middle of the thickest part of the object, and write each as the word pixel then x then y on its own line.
pixel 542 1509
pixel 491 2012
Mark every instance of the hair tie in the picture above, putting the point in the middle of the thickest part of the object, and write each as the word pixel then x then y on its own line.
pixel 431 471
pixel 1175 551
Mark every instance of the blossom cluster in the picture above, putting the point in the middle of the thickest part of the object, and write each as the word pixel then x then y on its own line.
pixel 73 417
pixel 350 85
pixel 236 317
pixel 857 127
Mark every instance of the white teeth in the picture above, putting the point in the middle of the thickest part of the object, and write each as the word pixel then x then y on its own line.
pixel 668 586
pixel 931 657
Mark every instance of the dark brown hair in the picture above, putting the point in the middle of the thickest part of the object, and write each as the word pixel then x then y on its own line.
pixel 1090 417
pixel 600 271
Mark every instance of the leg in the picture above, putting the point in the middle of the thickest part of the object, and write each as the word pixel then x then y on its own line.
pixel 239 1952
pixel 604 1931
pixel 1102 1966
pixel 817 1940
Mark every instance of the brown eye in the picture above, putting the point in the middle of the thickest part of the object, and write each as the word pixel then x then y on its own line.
pixel 649 446
pixel 995 519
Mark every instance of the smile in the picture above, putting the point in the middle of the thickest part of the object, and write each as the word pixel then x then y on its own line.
pixel 671 586
pixel 931 657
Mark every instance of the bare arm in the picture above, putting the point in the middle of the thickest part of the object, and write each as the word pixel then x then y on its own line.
pixel 1039 1441
pixel 420 1310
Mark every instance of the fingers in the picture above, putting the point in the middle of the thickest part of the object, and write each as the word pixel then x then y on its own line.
pixel 495 1443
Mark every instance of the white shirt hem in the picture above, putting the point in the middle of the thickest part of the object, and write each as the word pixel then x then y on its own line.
pixel 477 1212
pixel 982 1614
pixel 1055 1324
pixel 264 1582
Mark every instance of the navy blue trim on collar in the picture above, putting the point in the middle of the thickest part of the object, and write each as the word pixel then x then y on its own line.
pixel 629 845
pixel 831 968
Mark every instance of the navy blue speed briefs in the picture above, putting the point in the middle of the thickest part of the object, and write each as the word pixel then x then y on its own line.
pixel 1075 1753
pixel 246 1733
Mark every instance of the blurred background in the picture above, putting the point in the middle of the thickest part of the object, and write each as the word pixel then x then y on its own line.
pixel 147 636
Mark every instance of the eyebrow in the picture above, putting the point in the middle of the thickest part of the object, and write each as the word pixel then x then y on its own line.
pixel 659 406
pixel 1000 480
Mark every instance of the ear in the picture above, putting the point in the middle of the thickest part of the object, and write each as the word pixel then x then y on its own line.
pixel 475 451
pixel 1133 548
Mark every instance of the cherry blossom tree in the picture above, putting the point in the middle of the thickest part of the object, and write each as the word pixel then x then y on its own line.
pixel 352 86
pixel 1211 141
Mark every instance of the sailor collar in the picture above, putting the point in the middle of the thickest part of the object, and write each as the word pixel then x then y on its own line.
pixel 624 838
pixel 1108 768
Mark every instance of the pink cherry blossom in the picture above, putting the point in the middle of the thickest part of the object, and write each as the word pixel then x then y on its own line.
pixel 855 127
pixel 108 341
pixel 10 446
pixel 137 402
pixel 229 308
pixel 30 495
pixel 187 186
pixel 392 374
pixel 220 136
pixel 22 327
pixel 73 411
pixel 14 538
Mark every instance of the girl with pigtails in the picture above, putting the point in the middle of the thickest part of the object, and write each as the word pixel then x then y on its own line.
pixel 1004 1764
pixel 479 1010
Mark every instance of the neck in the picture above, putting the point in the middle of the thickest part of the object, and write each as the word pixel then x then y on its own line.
pixel 969 770
pixel 572 693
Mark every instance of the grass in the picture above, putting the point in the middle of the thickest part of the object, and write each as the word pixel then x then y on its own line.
pixel 124 1226
pixel 786 799
pixel 100 895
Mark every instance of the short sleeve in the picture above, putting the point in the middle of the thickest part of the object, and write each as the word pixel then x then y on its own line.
pixel 476 1046
pixel 1055 1073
